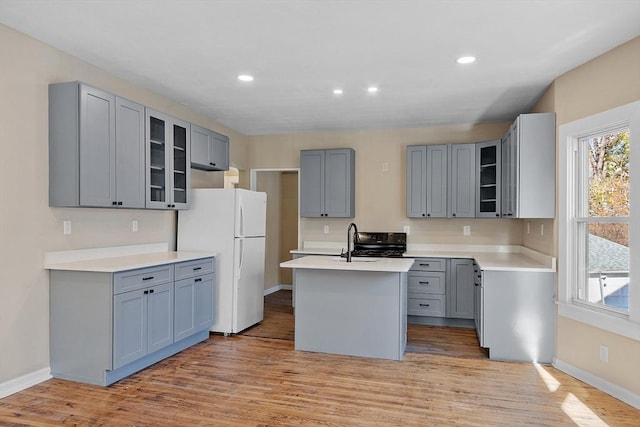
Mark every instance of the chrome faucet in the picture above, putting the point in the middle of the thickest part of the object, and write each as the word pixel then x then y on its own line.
pixel 355 237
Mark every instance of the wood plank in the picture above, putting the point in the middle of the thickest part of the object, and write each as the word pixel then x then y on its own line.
pixel 247 380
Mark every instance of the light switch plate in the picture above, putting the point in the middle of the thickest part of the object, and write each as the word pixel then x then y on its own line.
pixel 134 225
pixel 466 230
pixel 406 229
pixel 66 227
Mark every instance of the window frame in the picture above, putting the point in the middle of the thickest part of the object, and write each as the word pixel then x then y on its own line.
pixel 570 194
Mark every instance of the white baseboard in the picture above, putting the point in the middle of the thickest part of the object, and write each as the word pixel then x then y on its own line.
pixel 277 288
pixel 614 390
pixel 18 384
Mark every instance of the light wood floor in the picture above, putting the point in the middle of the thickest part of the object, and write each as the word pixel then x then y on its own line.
pixel 254 379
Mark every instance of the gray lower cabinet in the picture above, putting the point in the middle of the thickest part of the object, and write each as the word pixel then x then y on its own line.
pixel 462 181
pixel 427 181
pixel 209 149
pixel 460 289
pixel 96 148
pixel 426 287
pixel 528 167
pixel 194 297
pixel 327 183
pixel 142 322
pixel 107 326
pixel 518 315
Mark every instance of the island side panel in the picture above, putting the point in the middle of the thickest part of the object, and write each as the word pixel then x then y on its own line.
pixel 358 313
pixel 519 315
pixel 81 325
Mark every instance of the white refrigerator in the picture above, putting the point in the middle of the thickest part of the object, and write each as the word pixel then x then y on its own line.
pixel 232 223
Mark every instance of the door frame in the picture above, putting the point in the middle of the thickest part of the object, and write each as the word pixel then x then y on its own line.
pixel 253 184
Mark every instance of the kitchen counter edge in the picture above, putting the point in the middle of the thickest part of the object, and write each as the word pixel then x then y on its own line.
pixel 524 259
pixel 113 264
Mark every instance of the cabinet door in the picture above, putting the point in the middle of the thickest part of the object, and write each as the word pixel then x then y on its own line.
pixel 129 165
pixel 159 317
pixel 488 177
pixel 462 195
pixel 180 164
pixel 312 183
pixel 205 301
pixel 417 181
pixel 460 289
pixel 167 161
pixel 339 183
pixel 201 141
pixel 219 152
pixel 436 181
pixel 185 313
pixel 129 327
pixel 97 151
pixel 510 172
pixel 157 160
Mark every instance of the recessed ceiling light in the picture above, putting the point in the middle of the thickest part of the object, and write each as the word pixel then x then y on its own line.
pixel 337 91
pixel 245 78
pixel 466 59
pixel 372 89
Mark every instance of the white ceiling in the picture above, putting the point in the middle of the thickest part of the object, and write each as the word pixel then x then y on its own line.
pixel 300 50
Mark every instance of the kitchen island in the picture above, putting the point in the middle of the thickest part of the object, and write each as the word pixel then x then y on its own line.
pixel 354 308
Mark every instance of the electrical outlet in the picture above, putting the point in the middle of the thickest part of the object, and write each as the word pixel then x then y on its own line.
pixel 326 229
pixel 66 227
pixel 134 225
pixel 466 230
pixel 528 228
pixel 604 353
pixel 542 229
pixel 385 167
pixel 406 229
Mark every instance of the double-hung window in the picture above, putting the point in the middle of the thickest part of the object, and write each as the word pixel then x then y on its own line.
pixel 600 220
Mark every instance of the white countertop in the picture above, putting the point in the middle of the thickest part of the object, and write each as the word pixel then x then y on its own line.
pixel 106 259
pixel 488 257
pixel 396 265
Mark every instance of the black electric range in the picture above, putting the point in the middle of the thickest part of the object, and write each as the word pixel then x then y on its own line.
pixel 379 244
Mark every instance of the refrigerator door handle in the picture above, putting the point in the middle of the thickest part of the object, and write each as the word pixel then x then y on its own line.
pixel 240 258
pixel 241 220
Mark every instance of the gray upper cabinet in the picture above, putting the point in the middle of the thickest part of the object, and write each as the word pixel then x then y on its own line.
pixel 96 148
pixel 130 188
pixel 168 175
pixel 528 167
pixel 462 180
pixel 327 183
pixel 209 149
pixel 488 178
pixel 427 181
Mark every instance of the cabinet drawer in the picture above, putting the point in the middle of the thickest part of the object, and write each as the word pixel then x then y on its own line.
pixel 425 283
pixel 141 278
pixel 199 267
pixel 429 264
pixel 433 305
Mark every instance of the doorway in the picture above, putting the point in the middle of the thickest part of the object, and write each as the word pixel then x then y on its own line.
pixel 281 186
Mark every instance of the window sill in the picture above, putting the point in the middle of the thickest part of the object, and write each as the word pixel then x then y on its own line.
pixel 608 322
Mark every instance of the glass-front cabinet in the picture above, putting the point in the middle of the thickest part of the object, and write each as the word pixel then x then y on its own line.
pixel 168 160
pixel 488 174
